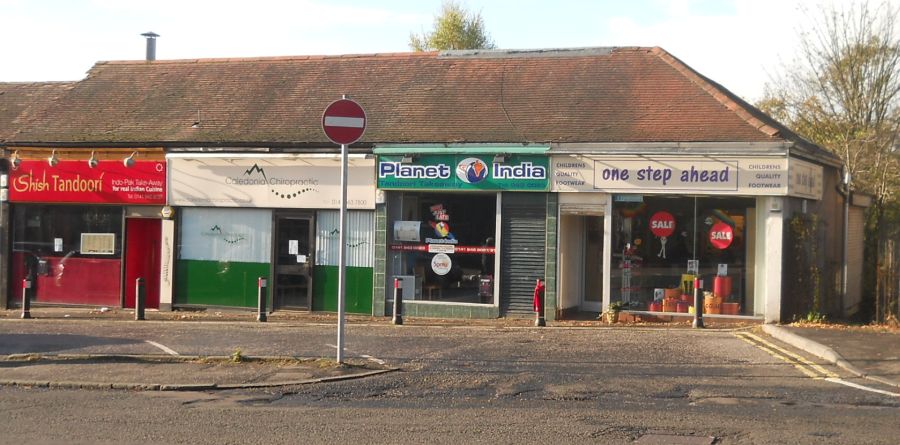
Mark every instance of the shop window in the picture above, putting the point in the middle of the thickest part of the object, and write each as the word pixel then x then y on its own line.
pixel 445 244
pixel 661 244
pixel 221 253
pixel 70 253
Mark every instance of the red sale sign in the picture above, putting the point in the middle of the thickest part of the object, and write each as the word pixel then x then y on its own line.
pixel 721 235
pixel 662 224
pixel 110 182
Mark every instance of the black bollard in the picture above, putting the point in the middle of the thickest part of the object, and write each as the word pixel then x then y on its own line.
pixel 140 298
pixel 26 298
pixel 261 308
pixel 398 303
pixel 698 304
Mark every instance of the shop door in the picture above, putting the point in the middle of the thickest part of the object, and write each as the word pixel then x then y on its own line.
pixel 593 263
pixel 293 262
pixel 142 246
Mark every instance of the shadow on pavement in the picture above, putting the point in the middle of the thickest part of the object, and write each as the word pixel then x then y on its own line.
pixel 43 343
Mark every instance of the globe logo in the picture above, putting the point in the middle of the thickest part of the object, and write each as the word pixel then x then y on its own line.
pixel 471 170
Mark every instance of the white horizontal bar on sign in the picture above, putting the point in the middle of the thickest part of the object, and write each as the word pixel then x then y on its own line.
pixel 339 121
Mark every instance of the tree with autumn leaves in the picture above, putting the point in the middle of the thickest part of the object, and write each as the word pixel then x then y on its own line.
pixel 843 93
pixel 454 28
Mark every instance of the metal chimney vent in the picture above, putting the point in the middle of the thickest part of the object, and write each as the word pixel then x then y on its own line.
pixel 151 45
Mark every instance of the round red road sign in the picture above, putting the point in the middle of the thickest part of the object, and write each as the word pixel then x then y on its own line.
pixel 344 121
pixel 721 235
pixel 662 224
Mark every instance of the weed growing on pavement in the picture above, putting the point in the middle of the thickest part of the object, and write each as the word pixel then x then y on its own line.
pixel 237 356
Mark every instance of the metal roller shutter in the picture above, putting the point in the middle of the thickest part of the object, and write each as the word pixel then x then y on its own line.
pixel 523 244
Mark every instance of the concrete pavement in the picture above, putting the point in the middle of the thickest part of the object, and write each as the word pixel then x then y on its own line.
pixel 864 351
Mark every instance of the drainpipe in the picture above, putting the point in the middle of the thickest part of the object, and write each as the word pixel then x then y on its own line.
pixel 844 190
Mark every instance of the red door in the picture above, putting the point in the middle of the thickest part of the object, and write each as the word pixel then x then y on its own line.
pixel 142 244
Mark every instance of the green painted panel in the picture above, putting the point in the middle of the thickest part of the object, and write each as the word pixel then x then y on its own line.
pixel 218 283
pixel 359 289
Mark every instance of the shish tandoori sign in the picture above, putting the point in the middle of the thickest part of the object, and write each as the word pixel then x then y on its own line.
pixel 109 182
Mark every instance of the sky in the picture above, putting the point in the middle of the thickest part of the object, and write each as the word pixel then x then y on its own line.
pixel 741 44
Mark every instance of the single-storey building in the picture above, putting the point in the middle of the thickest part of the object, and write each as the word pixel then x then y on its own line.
pixel 611 174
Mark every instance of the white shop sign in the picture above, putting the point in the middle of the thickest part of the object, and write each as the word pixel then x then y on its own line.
pixel 272 181
pixel 806 180
pixel 661 174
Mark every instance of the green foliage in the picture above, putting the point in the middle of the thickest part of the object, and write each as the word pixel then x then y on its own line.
pixel 237 356
pixel 806 279
pixel 616 306
pixel 815 317
pixel 455 28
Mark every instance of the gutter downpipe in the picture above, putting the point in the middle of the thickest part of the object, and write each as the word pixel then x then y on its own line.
pixel 844 190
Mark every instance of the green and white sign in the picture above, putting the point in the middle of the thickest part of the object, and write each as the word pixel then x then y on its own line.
pixel 464 172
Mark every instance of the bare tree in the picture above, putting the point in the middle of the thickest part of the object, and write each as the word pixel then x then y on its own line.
pixel 843 93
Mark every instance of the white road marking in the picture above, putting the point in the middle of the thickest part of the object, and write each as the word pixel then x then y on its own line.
pixel 372 359
pixel 862 387
pixel 804 365
pixel 365 356
pixel 165 348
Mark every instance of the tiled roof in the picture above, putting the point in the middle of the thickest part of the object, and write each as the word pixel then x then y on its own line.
pixel 21 101
pixel 579 95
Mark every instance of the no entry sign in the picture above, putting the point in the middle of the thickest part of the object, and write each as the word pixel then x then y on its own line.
pixel 344 121
pixel 662 224
pixel 721 235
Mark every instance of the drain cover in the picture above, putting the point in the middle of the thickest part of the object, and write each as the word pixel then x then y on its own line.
pixel 672 439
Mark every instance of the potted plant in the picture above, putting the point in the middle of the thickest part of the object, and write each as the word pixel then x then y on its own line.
pixel 612 312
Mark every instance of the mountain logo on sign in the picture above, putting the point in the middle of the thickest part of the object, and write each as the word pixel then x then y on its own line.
pixel 471 170
pixel 256 168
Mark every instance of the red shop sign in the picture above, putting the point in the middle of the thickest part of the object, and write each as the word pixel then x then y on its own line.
pixel 662 224
pixel 110 182
pixel 721 235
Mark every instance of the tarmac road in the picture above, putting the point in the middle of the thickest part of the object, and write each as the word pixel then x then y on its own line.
pixel 472 384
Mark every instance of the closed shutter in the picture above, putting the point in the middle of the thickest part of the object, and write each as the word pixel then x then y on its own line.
pixel 523 243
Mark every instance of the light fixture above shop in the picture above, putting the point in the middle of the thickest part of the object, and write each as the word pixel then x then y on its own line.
pixel 53 159
pixel 500 158
pixel 15 161
pixel 129 160
pixel 92 162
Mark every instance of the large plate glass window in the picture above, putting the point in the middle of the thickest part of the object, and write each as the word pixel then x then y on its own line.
pixel 445 244
pixel 70 253
pixel 661 244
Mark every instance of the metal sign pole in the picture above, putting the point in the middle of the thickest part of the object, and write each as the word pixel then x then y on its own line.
pixel 342 256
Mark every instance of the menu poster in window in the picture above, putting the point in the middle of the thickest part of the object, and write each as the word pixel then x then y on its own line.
pixel 407 231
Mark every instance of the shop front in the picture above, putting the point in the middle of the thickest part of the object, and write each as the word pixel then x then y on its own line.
pixel 242 217
pixel 84 229
pixel 465 230
pixel 641 229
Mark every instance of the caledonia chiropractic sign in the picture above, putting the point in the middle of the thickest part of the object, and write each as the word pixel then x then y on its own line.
pixel 276 181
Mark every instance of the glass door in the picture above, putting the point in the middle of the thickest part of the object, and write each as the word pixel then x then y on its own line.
pixel 593 262
pixel 293 262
